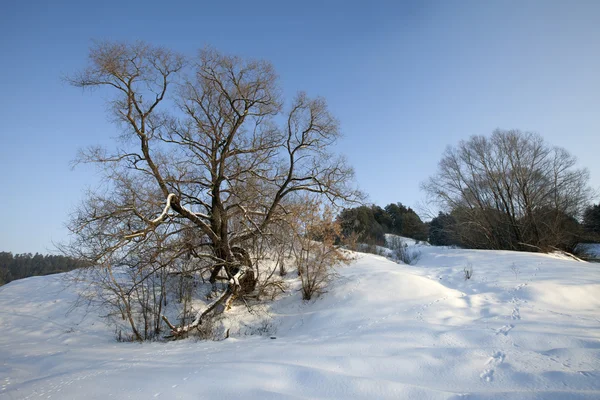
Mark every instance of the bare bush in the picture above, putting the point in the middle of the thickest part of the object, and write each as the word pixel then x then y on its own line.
pixel 271 256
pixel 371 248
pixel 316 254
pixel 351 242
pixel 515 270
pixel 402 252
pixel 468 272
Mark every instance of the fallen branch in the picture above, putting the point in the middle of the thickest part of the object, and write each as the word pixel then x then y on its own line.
pixel 532 246
pixel 567 254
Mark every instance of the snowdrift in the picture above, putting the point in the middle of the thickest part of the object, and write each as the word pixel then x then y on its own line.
pixel 525 326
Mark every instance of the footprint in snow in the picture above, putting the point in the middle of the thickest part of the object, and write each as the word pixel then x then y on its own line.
pixel 504 330
pixel 487 375
pixel 516 314
pixel 496 358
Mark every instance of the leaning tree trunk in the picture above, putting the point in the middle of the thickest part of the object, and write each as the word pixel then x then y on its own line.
pixel 242 281
pixel 249 279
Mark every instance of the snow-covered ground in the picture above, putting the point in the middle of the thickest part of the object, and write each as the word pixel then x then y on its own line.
pixel 526 326
pixel 389 237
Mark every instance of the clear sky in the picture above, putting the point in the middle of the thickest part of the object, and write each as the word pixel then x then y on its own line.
pixel 405 79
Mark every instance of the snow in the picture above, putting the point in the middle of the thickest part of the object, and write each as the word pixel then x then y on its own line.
pixel 525 326
pixel 405 240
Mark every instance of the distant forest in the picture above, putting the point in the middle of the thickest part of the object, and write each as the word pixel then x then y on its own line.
pixel 368 224
pixel 18 266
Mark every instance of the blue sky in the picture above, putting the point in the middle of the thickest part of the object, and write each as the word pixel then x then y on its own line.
pixel 405 79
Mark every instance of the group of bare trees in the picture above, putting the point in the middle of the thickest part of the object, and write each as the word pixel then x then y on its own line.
pixel 511 191
pixel 217 187
pixel 211 165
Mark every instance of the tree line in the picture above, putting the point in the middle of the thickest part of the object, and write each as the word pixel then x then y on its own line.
pixel 18 266
pixel 446 230
pixel 369 224
pixel 507 191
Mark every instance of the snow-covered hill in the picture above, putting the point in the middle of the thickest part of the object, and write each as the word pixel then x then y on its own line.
pixel 526 326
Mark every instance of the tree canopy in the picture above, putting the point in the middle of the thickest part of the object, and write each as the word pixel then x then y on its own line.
pixel 211 160
pixel 511 190
pixel 370 223
pixel 591 220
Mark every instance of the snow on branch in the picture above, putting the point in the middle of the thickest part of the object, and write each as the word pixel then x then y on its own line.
pixel 162 216
pixel 156 220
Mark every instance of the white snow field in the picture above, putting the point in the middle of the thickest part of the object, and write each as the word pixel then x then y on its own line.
pixel 526 326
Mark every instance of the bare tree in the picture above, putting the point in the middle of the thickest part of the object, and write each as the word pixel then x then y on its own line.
pixel 205 165
pixel 511 190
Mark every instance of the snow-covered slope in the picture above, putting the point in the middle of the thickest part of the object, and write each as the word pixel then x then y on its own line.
pixel 389 237
pixel 526 326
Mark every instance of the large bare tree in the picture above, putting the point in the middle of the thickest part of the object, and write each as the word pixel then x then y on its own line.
pixel 511 190
pixel 209 159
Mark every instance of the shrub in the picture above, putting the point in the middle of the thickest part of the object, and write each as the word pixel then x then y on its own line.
pixel 468 271
pixel 316 260
pixel 402 252
pixel 515 270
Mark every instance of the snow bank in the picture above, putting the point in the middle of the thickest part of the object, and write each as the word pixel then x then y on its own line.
pixel 524 327
pixel 405 240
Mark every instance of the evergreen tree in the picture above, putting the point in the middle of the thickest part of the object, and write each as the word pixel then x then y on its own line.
pixel 441 230
pixel 372 223
pixel 591 219
pixel 361 221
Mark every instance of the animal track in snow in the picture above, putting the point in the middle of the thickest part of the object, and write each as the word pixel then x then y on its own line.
pixel 496 359
pixel 516 314
pixel 487 375
pixel 505 329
